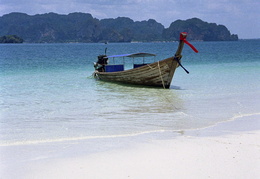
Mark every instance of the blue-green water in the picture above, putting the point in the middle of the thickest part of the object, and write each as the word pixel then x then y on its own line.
pixel 47 93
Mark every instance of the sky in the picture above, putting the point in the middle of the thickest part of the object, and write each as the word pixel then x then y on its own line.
pixel 241 17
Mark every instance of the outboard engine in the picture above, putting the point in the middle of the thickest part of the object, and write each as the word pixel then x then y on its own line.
pixel 100 64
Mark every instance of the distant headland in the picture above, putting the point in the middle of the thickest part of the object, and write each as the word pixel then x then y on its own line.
pixel 11 39
pixel 82 27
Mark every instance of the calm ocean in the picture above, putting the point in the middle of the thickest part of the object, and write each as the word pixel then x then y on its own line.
pixel 47 92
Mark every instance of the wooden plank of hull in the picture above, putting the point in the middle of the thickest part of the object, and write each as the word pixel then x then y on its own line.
pixel 155 74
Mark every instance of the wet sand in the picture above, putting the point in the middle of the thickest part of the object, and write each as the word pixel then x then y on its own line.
pixel 227 150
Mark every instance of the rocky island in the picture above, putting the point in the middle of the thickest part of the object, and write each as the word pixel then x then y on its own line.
pixel 11 39
pixel 82 27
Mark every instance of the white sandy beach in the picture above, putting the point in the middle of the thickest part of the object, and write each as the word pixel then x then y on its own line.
pixel 232 157
pixel 214 152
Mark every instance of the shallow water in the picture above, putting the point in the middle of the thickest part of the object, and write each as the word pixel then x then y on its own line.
pixel 47 93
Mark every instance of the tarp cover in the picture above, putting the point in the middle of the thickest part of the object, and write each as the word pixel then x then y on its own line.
pixel 134 55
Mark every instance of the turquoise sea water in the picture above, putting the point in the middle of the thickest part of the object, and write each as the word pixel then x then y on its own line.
pixel 47 92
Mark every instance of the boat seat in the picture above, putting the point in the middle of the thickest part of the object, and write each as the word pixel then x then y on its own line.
pixel 139 65
pixel 114 68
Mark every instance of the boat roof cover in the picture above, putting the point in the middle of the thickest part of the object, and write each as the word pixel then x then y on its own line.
pixel 133 55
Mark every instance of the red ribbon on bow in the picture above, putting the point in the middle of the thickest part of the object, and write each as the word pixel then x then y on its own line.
pixel 183 36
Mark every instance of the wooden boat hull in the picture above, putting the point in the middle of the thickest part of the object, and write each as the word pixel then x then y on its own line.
pixel 157 74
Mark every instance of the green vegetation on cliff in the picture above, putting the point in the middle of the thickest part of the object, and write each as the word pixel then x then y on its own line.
pixel 82 27
pixel 11 39
pixel 198 30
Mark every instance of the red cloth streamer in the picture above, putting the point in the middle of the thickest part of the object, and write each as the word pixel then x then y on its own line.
pixel 183 36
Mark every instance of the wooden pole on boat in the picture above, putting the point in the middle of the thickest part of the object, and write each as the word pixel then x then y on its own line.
pixel 183 35
pixel 178 55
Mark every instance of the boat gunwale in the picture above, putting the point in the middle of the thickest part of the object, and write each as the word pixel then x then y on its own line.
pixel 134 69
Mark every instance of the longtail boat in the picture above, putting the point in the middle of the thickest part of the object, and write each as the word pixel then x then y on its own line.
pixel 158 74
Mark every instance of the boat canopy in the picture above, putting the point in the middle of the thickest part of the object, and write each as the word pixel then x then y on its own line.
pixel 134 55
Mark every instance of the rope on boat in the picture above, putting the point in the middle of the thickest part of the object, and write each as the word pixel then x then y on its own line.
pixel 150 66
pixel 161 75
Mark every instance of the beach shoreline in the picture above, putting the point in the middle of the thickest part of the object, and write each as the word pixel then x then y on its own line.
pixel 227 150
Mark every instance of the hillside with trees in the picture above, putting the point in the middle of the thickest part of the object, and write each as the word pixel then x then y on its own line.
pixel 198 30
pixel 10 39
pixel 82 27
